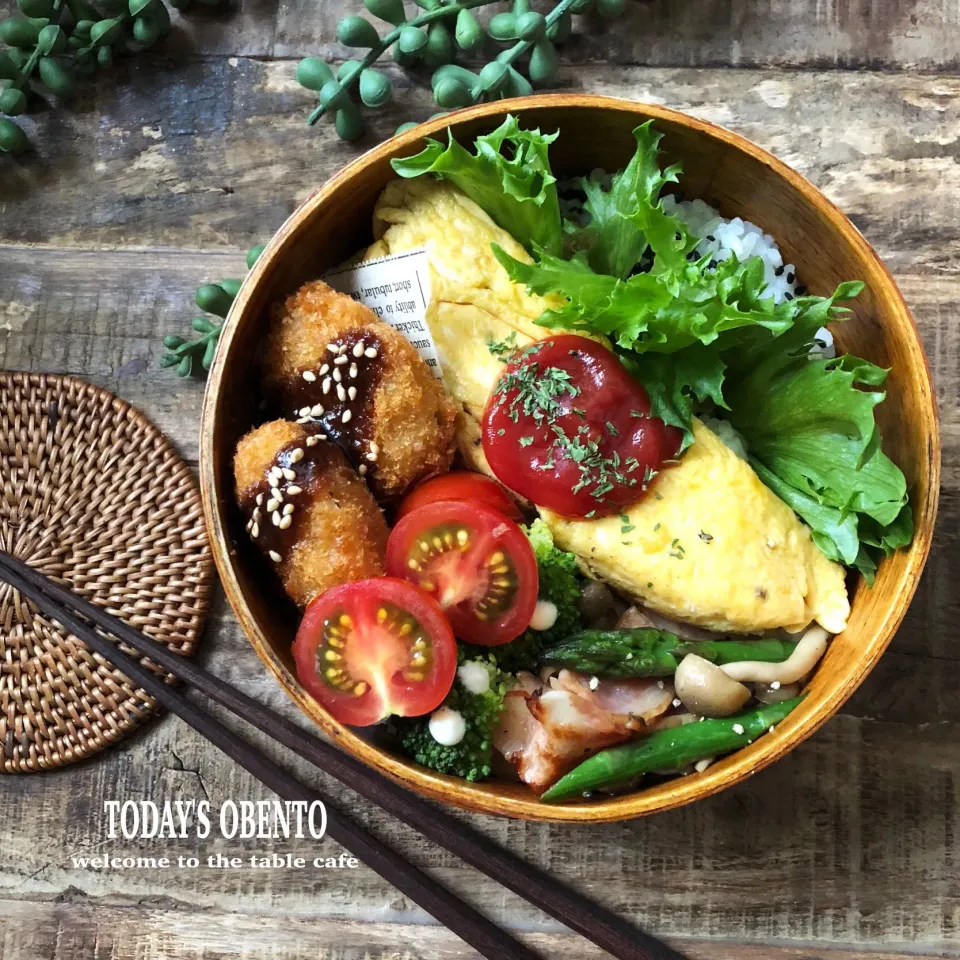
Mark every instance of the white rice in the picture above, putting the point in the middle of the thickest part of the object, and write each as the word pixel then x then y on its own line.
pixel 721 237
pixel 728 435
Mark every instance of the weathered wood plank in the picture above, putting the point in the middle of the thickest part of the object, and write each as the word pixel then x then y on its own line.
pixel 70 931
pixel 213 154
pixel 882 35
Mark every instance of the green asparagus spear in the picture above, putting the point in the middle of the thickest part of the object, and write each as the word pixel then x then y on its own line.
pixel 667 750
pixel 617 653
pixel 652 653
pixel 735 651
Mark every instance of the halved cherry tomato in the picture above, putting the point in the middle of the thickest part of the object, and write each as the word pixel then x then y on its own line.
pixel 460 485
pixel 567 427
pixel 371 648
pixel 477 563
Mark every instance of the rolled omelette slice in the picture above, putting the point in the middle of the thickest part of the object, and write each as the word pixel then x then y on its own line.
pixel 709 544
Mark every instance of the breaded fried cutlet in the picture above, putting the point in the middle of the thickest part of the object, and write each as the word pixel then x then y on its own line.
pixel 307 510
pixel 332 366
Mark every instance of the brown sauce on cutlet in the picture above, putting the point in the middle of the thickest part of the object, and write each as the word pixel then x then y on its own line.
pixel 335 399
pixel 276 506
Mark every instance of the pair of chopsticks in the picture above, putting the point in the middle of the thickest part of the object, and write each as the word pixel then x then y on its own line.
pixel 605 929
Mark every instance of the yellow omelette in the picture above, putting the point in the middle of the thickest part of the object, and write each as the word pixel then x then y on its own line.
pixel 710 544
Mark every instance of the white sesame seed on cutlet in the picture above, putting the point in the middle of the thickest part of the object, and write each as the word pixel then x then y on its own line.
pixel 296 455
pixel 309 376
pixel 275 557
pixel 370 352
pixel 358 349
pixel 347 415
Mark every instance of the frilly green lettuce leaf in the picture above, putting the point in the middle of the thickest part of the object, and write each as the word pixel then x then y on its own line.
pixel 509 176
pixel 677 382
pixel 628 217
pixel 809 423
pixel 656 311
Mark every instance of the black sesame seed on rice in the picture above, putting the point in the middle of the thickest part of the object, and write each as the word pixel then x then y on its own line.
pixel 791 277
pixel 800 291
pixel 779 271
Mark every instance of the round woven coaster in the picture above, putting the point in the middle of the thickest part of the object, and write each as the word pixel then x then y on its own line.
pixel 94 496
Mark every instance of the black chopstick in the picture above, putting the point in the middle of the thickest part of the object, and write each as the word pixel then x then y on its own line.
pixel 483 935
pixel 597 924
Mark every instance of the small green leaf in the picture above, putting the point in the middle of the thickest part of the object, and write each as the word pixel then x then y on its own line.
pixel 493 76
pixel 531 26
pixel 209 353
pixel 451 92
pixel 375 88
pixel 441 47
pixel 543 63
pixel 517 84
pixel 137 7
pixel 333 96
pixel 185 367
pixel 172 341
pixel 105 56
pixel 389 10
pixel 12 138
pixel 56 76
pixel 412 40
pixel 503 26
pixel 348 123
pixel 106 32
pixel 146 31
pixel 354 31
pixel 13 102
pixel 348 70
pixel 559 30
pixel 36 8
pixel 212 298
pixel 19 33
pixel 253 254
pixel 468 33
pixel 8 69
pixel 231 286
pixel 610 9
pixel 313 73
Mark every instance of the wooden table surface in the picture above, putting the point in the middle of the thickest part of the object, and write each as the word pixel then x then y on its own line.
pixel 167 169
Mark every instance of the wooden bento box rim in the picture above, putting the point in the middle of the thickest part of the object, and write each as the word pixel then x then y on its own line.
pixel 506 799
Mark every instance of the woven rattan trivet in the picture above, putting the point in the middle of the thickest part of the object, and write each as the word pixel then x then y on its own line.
pixel 94 495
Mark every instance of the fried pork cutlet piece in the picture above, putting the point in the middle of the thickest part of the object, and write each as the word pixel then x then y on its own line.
pixel 307 510
pixel 332 366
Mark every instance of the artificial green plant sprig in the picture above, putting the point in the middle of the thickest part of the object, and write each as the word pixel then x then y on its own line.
pixel 57 42
pixel 433 38
pixel 215 299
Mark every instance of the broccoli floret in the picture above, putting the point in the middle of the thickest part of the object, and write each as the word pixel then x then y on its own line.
pixel 561 583
pixel 470 758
